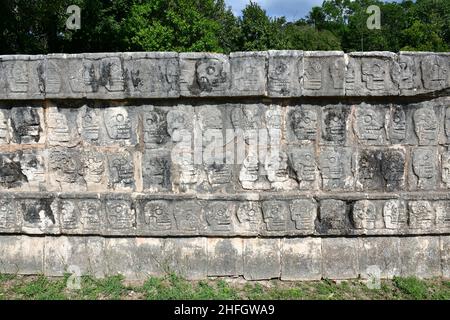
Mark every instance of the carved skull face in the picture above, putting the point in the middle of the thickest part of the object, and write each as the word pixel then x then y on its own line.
pixel 119 214
pixel 210 118
pixel 370 123
pixel 279 73
pixel 156 213
pixel 423 164
pixel 90 213
pixel 335 125
pixel 426 125
pixel 210 74
pixel 219 173
pixel 26 123
pixel 118 124
pixel 66 165
pixel 303 213
pixel 94 167
pixel 421 214
pixel 251 168
pixel 304 124
pixel 435 72
pixel 275 216
pixel 364 214
pixel 156 170
pixel 19 79
pixel 249 212
pixel 90 123
pixel 274 118
pixel 398 124
pixel 304 165
pixel 3 127
pixel 7 214
pixel 332 166
pixel 373 74
pixel 218 216
pixel 406 73
pixel 393 167
pixel 394 214
pixel 58 127
pixel 68 214
pixel 123 170
pixel 113 68
pixel 155 127
pixel 278 164
pixel 313 75
pixel 176 121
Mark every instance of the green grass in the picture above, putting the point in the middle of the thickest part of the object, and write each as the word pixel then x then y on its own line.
pixel 175 287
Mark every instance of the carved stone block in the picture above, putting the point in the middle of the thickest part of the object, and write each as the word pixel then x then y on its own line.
pixel 369 124
pixel 27 125
pixel 285 73
pixel 324 73
pixel 302 124
pixel 304 163
pixel 152 74
pixel 248 73
pixel 336 165
pixel 333 217
pixel 335 122
pixel 156 171
pixel 204 74
pixel 22 77
pixel 424 169
pixel 121 171
pixel 369 74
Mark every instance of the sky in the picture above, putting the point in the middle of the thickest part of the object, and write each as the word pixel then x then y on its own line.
pixel 291 9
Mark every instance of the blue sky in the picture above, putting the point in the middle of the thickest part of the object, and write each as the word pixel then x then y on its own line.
pixel 291 9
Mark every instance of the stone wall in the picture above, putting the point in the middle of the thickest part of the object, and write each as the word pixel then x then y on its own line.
pixel 278 164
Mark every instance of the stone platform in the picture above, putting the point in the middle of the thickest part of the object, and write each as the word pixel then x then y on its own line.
pixel 280 164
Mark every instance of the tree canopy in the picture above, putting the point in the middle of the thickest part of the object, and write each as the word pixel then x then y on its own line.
pixel 39 26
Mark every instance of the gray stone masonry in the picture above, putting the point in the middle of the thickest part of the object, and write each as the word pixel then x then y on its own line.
pixel 285 164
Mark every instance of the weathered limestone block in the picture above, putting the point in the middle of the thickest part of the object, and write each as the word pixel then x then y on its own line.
pixel 340 258
pixel 26 124
pixel 154 127
pixel 302 124
pixel 445 256
pixel 39 215
pixel 186 257
pixel 420 256
pixel 225 257
pixel 262 258
pixel 333 217
pixel 21 254
pixel 335 125
pixel 151 74
pixel 22 77
pixel 204 74
pixel 305 165
pixel 120 214
pixel 301 259
pixel 380 254
pixel 422 72
pixel 370 74
pixel 423 171
pixel 156 170
pixel 248 73
pixel 369 124
pixel 336 168
pixel 76 255
pixel 324 73
pixel 285 73
pixel 65 76
pixel 381 169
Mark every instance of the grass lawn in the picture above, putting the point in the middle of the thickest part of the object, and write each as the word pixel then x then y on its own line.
pixel 174 287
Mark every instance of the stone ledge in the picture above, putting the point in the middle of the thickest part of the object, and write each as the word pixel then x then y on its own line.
pixel 123 214
pixel 285 73
pixel 252 258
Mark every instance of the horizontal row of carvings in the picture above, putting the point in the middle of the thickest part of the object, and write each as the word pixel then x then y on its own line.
pixel 153 127
pixel 272 73
pixel 333 169
pixel 126 215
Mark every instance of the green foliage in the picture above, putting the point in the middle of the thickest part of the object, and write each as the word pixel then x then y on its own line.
pixel 38 26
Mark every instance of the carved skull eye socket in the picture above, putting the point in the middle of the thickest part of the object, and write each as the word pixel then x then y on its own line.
pixel 308 157
pixel 251 213
pixel 88 118
pixel 307 120
pixel 118 209
pixel 220 213
pixel 249 70
pixel 158 211
pixel 91 211
pixel 120 118
pixel 210 70
pixel 332 159
pixel 368 118
pixel 336 119
pixel 426 157
pixel 281 68
pixel 397 119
